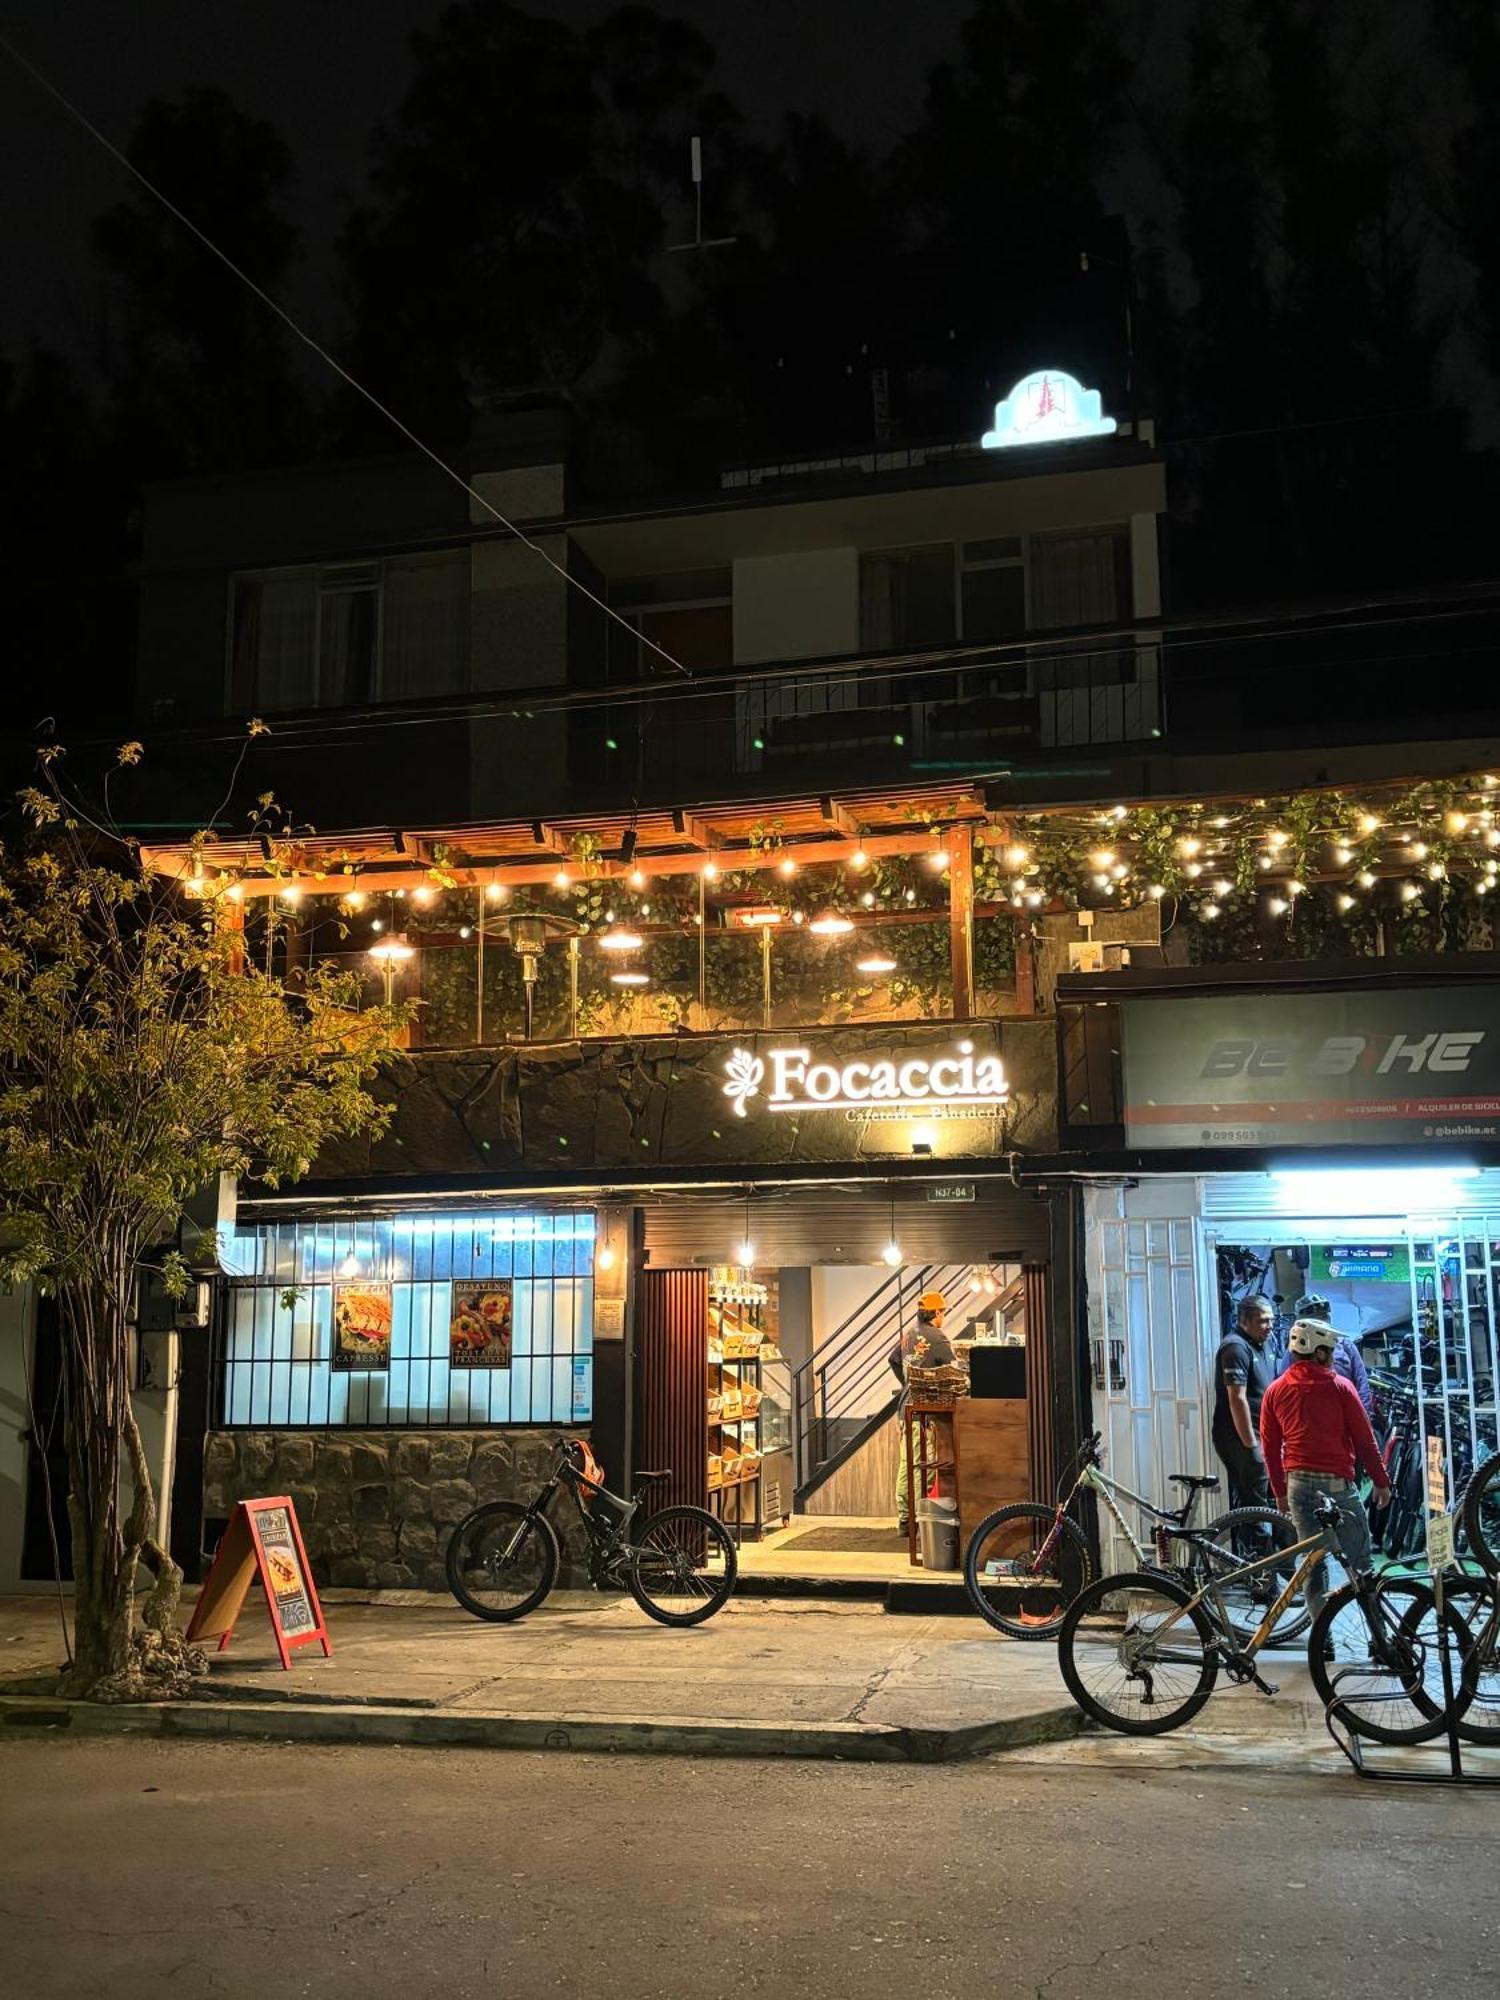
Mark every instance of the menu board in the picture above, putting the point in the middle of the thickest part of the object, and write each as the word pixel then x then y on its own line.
pixel 262 1539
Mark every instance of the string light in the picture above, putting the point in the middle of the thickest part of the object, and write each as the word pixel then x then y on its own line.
pixel 291 894
pixel 867 900
pixel 422 896
pixel 859 859
pixel 1017 857
pixel 1365 879
pixel 1455 821
pixel 1103 857
pixel 939 859
pixel 787 866
pixel 1276 839
pixel 1223 887
pixel 1194 869
pixel 710 872
pixel 1209 910
pixel 1437 871
pixel 495 892
pixel 637 879
pixel 1189 845
pixel 1409 892
pixel 1343 855
pixel 1345 901
pixel 560 879
pixel 1156 892
pixel 1278 906
pixel 1418 848
pixel 1369 823
pixel 1296 888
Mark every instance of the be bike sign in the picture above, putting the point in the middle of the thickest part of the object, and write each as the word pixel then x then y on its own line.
pixel 1312 1069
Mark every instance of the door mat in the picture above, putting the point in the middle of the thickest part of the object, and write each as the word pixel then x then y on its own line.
pixel 848 1541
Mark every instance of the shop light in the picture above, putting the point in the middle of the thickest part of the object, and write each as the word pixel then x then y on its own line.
pixel 859 859
pixel 393 950
pixel 630 979
pixel 938 859
pixel 637 879
pixel 744 1254
pixel 422 896
pixel 787 866
pixel 831 924
pixel 620 940
pixel 349 1268
pixel 1361 1191
pixel 891 1254
pixel 561 879
pixel 709 871
pixel 875 963
pixel 604 1258
pixel 495 892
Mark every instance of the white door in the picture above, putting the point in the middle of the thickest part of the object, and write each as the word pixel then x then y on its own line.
pixel 1148 1349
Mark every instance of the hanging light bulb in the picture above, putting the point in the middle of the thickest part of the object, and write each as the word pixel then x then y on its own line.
pixel 630 979
pixel 1418 849
pixel 1365 879
pixel 604 1258
pixel 1455 821
pixel 786 866
pixel 1409 892
pixel 1343 855
pixel 1344 900
pixel 1210 910
pixel 1223 887
pixel 1017 857
pixel 1296 888
pixel 1190 844
pixel 620 940
pixel 495 892
pixel 1156 892
pixel 859 859
pixel 867 900
pixel 1263 861
pixel 1277 906
pixel 710 871
pixel 355 899
pixel 560 879
pixel 636 879
pixel 421 896
pixel 291 894
pixel 1369 823
pixel 1101 881
pixel 1193 869
pixel 464 931
pixel 938 859
pixel 349 1266
pixel 1102 857
pixel 831 924
pixel 1436 871
pixel 1276 840
pixel 891 1254
pixel 877 962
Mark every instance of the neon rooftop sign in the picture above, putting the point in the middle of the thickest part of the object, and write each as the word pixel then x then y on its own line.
pixel 797 1083
pixel 1047 407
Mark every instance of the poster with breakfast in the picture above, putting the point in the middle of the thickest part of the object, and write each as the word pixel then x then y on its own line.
pixel 479 1324
pixel 361 1324
pixel 263 1539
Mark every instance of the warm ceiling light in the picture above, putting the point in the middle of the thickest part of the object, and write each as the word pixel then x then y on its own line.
pixel 1365 879
pixel 422 895
pixel 629 979
pixel 1369 823
pixel 620 940
pixel 709 871
pixel 560 879
pixel 1017 857
pixel 787 866
pixel 891 1254
pixel 876 963
pixel 291 893
pixel 939 859
pixel 744 1254
pixel 1455 821
pixel 495 892
pixel 859 859
pixel 392 950
pixel 1103 858
pixel 831 924
pixel 637 879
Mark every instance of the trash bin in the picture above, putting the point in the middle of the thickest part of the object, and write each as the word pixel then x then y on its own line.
pixel 937 1521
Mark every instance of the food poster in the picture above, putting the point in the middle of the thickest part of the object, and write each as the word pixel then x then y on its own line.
pixel 294 1613
pixel 361 1325
pixel 481 1324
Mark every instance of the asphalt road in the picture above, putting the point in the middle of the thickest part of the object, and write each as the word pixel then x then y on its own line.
pixel 131 1868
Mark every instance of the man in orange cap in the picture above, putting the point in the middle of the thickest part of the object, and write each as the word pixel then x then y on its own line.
pixel 922 1345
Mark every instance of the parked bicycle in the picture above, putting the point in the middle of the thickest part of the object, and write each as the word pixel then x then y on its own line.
pixel 1026 1564
pixel 679 1564
pixel 1141 1652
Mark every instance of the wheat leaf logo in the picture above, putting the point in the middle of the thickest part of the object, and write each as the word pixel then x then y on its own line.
pixel 745 1072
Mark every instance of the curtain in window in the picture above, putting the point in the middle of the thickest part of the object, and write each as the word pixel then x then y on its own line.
pixel 275 633
pixel 1075 580
pixel 425 642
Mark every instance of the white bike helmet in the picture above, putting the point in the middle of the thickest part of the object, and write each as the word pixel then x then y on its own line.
pixel 1308 1336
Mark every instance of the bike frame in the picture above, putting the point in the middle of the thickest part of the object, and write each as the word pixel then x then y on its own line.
pixel 1095 1479
pixel 1313 1550
pixel 608 1543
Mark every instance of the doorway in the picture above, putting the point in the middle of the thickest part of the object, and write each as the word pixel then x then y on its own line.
pixel 46 1537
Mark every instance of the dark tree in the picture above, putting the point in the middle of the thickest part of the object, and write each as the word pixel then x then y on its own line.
pixel 199 368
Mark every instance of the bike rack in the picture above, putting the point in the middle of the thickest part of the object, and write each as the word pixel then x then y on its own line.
pixel 1349 1742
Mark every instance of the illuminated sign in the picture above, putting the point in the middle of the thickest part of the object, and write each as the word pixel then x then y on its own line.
pixel 1047 408
pixel 794 1082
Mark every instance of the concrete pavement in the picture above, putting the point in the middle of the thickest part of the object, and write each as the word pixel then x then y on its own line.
pixel 763 1678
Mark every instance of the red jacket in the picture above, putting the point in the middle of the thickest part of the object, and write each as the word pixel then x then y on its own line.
pixel 1312 1420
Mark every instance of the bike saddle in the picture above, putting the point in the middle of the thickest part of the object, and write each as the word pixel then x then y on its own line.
pixel 641 1478
pixel 1197 1481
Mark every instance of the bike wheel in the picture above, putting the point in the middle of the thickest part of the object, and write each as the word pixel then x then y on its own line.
pixel 1241 1535
pixel 1481 1515
pixel 1390 1679
pixel 1479 1685
pixel 502 1562
pixel 683 1566
pixel 1136 1654
pixel 1022 1569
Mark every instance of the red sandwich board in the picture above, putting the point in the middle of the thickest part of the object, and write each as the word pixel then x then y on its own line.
pixel 262 1538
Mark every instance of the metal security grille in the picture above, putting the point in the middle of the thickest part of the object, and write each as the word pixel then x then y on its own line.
pixel 275 1332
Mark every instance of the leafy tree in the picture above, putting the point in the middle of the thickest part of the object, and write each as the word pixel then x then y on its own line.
pixel 199 368
pixel 140 1057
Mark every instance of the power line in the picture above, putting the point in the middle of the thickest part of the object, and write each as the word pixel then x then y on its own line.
pixel 449 471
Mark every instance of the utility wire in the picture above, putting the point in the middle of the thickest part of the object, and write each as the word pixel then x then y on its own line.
pixel 43 83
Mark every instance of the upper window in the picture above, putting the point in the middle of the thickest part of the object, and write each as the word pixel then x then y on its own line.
pixel 689 616
pixel 339 636
pixel 992 590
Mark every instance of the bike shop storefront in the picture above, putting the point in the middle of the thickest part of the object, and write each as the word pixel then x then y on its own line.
pixel 1335 1148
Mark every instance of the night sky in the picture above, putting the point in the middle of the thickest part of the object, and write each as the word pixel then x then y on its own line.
pixel 325 74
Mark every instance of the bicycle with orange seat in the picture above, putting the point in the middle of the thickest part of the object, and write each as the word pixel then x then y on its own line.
pixel 679 1564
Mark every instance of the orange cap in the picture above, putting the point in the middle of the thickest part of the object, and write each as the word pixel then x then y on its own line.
pixel 932 1302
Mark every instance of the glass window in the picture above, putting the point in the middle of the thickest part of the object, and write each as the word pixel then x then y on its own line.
pixel 994 603
pixel 906 598
pixel 1080 579
pixel 425 622
pixel 276 1323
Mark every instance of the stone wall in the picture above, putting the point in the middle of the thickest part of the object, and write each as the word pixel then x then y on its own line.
pixel 376 1508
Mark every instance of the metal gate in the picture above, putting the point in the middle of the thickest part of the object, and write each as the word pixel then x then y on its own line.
pixel 1150 1343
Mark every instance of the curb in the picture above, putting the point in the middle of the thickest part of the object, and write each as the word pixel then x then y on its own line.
pixel 842 1742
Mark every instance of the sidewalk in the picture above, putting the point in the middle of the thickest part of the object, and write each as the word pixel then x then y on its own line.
pixel 764 1678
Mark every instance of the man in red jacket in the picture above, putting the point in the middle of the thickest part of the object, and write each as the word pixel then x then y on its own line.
pixel 1315 1436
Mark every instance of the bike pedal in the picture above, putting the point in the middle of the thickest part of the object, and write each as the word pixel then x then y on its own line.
pixel 1266 1687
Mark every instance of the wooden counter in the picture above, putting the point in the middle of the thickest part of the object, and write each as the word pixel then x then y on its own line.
pixel 994 1469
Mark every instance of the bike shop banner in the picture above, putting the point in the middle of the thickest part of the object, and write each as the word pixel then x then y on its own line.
pixel 1312 1069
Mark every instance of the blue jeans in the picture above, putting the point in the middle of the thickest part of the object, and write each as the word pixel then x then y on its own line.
pixel 1303 1491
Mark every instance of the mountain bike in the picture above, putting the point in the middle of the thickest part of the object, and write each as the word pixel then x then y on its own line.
pixel 1141 1652
pixel 679 1564
pixel 1479 1508
pixel 1025 1564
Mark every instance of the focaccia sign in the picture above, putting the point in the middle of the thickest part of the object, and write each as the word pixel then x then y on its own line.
pixel 791 1079
pixel 263 1539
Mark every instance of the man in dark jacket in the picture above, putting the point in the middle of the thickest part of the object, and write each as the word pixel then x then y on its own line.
pixel 1244 1369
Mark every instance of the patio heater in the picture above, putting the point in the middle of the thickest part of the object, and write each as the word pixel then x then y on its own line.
pixel 530 932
